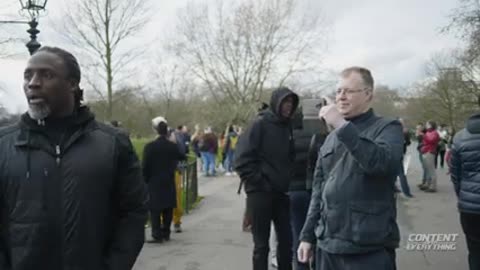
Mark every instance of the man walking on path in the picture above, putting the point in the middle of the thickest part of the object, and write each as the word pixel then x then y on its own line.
pixel 160 159
pixel 71 189
pixel 352 213
pixel 264 159
pixel 465 175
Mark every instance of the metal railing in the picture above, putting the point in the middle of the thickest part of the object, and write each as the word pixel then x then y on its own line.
pixel 190 185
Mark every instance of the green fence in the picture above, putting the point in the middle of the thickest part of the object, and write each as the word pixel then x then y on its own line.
pixel 190 184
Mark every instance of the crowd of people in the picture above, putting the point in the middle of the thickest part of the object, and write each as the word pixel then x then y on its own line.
pixel 342 201
pixel 74 195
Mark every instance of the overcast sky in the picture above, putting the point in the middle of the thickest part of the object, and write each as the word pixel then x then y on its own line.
pixel 394 38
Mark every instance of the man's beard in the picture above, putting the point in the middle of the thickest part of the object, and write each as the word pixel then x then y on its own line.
pixel 39 111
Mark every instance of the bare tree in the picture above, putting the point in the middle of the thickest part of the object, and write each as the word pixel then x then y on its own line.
pixel 168 81
pixel 465 21
pixel 240 48
pixel 448 97
pixel 9 33
pixel 103 29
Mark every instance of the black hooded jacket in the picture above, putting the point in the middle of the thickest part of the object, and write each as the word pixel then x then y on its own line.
pixel 72 202
pixel 265 152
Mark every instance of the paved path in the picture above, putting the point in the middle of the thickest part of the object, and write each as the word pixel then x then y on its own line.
pixel 213 240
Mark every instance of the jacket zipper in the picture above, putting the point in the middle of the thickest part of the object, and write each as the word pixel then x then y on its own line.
pixel 58 160
pixel 58 153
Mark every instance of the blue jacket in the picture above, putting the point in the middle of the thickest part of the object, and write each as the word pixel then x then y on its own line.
pixel 465 166
pixel 353 206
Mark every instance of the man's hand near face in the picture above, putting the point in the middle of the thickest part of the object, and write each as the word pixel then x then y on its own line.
pixel 332 116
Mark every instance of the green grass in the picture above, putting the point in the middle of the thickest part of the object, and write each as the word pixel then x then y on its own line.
pixel 139 144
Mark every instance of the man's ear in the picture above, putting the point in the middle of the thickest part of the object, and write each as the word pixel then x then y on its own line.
pixel 370 95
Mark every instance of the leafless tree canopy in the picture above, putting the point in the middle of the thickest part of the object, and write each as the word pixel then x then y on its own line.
pixel 465 20
pixel 102 29
pixel 240 48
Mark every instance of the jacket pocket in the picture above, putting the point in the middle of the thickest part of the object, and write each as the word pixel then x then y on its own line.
pixel 370 222
pixel 320 228
pixel 336 223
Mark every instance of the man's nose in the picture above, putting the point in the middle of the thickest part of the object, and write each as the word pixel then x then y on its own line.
pixel 35 81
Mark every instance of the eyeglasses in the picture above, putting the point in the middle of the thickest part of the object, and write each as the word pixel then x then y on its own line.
pixel 347 91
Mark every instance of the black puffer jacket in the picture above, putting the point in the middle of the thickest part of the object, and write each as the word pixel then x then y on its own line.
pixel 307 142
pixel 80 205
pixel 264 154
pixel 465 166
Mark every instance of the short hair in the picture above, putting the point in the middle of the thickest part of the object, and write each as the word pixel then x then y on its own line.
pixel 162 129
pixel 72 67
pixel 364 73
pixel 432 123
pixel 71 63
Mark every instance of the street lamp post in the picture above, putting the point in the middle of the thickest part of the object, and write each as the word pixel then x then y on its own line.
pixel 33 8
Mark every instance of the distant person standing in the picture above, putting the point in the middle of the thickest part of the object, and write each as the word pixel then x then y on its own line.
pixel 182 139
pixel 160 158
pixel 401 175
pixel 230 144
pixel 431 138
pixel 442 146
pixel 208 145
pixel 419 133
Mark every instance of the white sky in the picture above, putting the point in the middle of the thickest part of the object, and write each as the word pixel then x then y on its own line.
pixel 394 38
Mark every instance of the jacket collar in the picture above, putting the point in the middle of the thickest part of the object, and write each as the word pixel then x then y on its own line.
pixel 82 119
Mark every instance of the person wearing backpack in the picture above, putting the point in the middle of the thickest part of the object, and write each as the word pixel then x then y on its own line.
pixel 229 149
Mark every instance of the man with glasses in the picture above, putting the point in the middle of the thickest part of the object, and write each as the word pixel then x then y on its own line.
pixel 352 213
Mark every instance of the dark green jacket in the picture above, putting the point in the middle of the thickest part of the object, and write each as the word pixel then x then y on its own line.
pixel 353 208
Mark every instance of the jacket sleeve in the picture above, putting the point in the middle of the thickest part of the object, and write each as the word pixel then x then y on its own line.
pixel 131 212
pixel 455 167
pixel 379 156
pixel 247 157
pixel 314 210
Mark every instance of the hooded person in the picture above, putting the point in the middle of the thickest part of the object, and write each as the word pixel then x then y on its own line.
pixel 264 161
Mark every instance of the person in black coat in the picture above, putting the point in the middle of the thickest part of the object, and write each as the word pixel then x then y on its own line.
pixel 264 158
pixel 160 158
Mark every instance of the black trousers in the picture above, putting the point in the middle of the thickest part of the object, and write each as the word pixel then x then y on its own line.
pixel 441 155
pixel 379 260
pixel 470 224
pixel 161 222
pixel 263 208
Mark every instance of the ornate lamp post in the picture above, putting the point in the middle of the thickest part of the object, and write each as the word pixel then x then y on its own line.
pixel 33 7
